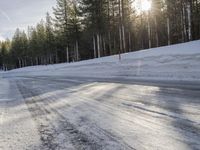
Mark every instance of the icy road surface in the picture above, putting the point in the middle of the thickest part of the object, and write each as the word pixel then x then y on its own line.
pixel 50 113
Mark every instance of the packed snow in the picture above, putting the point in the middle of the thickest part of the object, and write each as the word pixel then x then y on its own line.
pixel 96 115
pixel 17 130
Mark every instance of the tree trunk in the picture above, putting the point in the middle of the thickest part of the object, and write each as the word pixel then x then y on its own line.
pixel 74 58
pixel 56 57
pixel 120 28
pixel 19 62
pixel 149 29
pixel 189 22
pixel 25 62
pixel 129 41
pixel 31 61
pixel 104 46
pixel 50 59
pixel 109 43
pixel 94 46
pixel 141 33
pixel 114 44
pixel 168 31
pixel 4 69
pixel 101 44
pixel 156 30
pixel 184 25
pixel 120 39
pixel 123 39
pixel 77 51
pixel 98 46
pixel 67 54
pixel 36 61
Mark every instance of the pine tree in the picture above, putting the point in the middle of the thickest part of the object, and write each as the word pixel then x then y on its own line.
pixel 95 12
pixel 41 43
pixel 4 55
pixel 50 39
pixel 33 47
pixel 20 47
pixel 74 28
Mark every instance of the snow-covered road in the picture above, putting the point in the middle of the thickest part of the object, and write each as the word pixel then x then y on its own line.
pixel 88 113
pixel 17 128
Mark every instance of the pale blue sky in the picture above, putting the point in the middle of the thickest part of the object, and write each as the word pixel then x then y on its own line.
pixel 21 14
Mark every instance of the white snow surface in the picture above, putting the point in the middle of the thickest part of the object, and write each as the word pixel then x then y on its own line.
pixel 39 110
pixel 17 128
pixel 175 62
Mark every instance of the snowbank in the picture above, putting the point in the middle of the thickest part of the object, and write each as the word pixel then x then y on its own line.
pixel 176 62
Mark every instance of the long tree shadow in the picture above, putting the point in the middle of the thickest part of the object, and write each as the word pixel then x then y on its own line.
pixel 172 104
pixel 182 104
pixel 171 100
pixel 35 104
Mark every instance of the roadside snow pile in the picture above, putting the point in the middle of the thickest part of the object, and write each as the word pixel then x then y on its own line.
pixel 176 62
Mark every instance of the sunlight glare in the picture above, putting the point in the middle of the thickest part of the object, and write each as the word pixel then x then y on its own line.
pixel 142 5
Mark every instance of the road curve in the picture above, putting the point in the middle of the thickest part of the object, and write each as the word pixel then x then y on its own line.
pixel 88 113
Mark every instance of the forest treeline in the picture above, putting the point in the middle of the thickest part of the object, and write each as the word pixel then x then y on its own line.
pixel 85 29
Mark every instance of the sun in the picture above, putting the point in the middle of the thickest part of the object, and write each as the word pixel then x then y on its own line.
pixel 145 5
pixel 142 5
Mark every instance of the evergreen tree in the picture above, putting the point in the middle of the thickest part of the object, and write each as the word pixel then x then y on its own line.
pixel 20 47
pixel 5 60
pixel 74 27
pixel 61 12
pixel 50 40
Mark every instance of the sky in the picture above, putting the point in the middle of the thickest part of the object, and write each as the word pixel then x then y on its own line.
pixel 21 14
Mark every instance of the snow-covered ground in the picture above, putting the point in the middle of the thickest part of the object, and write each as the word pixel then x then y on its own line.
pixel 17 128
pixel 176 62
pixel 81 114
pixel 100 105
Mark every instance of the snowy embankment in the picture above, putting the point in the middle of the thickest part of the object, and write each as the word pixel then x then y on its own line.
pixel 177 62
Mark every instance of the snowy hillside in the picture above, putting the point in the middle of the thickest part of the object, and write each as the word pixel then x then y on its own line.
pixel 176 62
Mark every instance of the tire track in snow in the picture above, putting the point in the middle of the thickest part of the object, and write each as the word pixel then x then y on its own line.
pixel 107 107
pixel 50 132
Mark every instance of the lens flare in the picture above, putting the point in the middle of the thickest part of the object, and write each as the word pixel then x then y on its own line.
pixel 142 5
